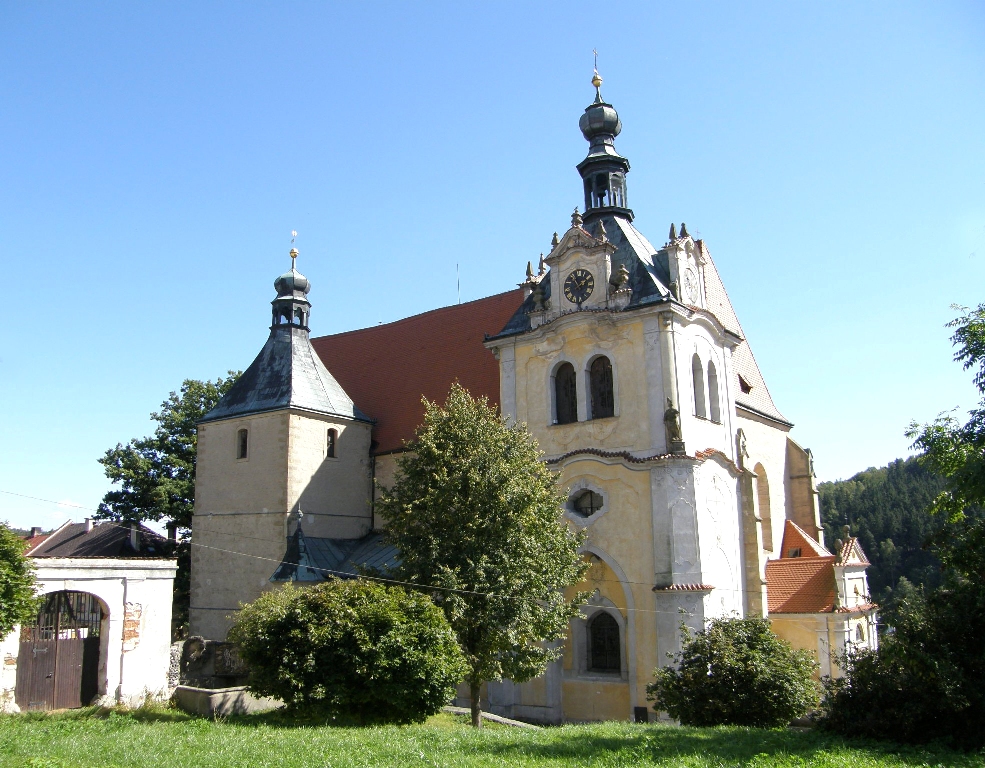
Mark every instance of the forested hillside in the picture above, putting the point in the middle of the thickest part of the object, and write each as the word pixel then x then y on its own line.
pixel 887 508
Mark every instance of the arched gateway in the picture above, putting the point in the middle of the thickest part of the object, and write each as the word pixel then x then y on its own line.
pixel 58 662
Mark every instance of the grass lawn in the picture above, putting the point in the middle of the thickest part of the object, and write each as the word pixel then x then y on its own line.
pixel 167 738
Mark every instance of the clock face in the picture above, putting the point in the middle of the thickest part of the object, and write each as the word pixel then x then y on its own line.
pixel 690 286
pixel 579 286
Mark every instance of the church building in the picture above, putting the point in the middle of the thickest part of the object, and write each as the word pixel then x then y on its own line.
pixel 630 368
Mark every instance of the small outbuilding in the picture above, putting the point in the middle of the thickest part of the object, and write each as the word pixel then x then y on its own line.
pixel 103 631
pixel 819 600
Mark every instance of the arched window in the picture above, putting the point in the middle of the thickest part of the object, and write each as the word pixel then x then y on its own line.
pixel 714 409
pixel 565 395
pixel 242 443
pixel 763 496
pixel 587 503
pixel 859 633
pixel 333 436
pixel 698 376
pixel 603 643
pixel 600 378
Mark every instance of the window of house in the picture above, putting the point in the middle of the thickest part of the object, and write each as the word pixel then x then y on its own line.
pixel 333 436
pixel 565 395
pixel 242 443
pixel 587 503
pixel 744 386
pixel 794 552
pixel 698 377
pixel 714 408
pixel 859 633
pixel 600 379
pixel 603 643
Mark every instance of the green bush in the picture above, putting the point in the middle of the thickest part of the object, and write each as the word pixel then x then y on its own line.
pixel 351 649
pixel 736 672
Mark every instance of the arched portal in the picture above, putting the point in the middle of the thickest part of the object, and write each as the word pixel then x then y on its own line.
pixel 58 658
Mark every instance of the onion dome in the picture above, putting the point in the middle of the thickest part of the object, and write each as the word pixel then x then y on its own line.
pixel 599 118
pixel 292 282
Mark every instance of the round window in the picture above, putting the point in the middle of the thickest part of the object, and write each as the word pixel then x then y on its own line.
pixel 587 503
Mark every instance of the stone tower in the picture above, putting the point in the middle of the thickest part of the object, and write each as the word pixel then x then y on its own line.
pixel 285 439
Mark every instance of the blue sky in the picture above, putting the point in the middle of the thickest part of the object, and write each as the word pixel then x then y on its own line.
pixel 155 158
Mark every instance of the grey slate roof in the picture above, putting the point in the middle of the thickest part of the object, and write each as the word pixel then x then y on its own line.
pixel 309 558
pixel 106 539
pixel 286 374
pixel 649 276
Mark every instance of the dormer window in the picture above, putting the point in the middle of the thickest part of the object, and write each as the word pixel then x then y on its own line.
pixel 242 443
pixel 333 436
pixel 794 552
pixel 744 386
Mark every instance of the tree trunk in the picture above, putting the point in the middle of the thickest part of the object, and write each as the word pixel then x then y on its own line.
pixel 476 711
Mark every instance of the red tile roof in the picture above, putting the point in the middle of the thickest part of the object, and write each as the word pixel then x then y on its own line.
pixel 795 537
pixel 800 585
pixel 386 369
pixel 30 542
pixel 804 583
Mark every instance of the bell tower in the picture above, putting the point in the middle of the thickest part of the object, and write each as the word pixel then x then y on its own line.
pixel 604 170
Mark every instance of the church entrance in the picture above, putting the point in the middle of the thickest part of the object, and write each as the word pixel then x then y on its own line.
pixel 58 660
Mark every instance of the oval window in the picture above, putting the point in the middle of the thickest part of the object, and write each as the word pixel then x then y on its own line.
pixel 587 503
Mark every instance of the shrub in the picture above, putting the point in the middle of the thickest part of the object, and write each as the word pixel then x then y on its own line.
pixel 350 649
pixel 927 680
pixel 736 672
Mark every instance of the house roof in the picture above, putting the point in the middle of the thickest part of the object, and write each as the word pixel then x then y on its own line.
pixel 851 553
pixel 795 537
pixel 388 368
pixel 31 542
pixel 286 374
pixel 800 585
pixel 310 558
pixel 802 582
pixel 104 539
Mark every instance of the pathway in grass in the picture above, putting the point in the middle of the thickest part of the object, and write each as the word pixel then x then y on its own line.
pixel 167 739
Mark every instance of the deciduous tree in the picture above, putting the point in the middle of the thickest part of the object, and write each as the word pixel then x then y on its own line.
pixel 156 474
pixel 927 680
pixel 18 602
pixel 477 518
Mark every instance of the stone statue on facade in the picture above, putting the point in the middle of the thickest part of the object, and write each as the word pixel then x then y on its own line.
pixel 672 423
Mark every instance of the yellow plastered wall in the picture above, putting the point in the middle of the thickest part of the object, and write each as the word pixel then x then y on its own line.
pixel 239 525
pixel 579 345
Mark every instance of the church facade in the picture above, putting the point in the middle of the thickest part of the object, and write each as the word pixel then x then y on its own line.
pixel 628 365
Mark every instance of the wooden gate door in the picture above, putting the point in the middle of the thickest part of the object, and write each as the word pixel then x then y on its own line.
pixel 35 687
pixel 58 661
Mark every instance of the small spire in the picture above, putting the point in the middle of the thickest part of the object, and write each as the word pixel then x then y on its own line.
pixel 294 256
pixel 576 218
pixel 530 272
pixel 600 233
pixel 554 241
pixel 684 230
pixel 541 269
pixel 673 232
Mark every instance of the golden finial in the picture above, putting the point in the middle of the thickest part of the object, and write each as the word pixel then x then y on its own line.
pixel 597 78
pixel 294 255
